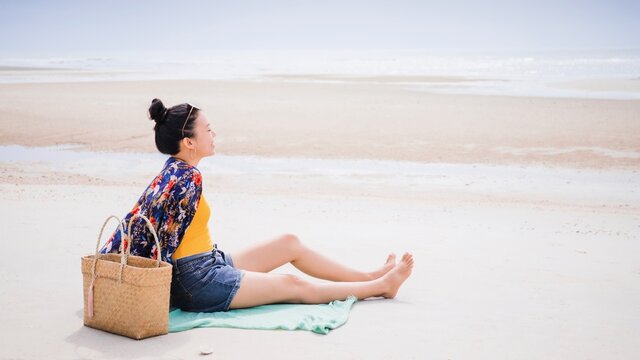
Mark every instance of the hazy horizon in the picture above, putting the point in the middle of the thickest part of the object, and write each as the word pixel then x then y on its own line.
pixel 75 26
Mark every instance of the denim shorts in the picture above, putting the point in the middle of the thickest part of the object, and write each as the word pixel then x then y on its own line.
pixel 205 282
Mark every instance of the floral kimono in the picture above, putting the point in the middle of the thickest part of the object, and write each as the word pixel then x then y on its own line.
pixel 169 202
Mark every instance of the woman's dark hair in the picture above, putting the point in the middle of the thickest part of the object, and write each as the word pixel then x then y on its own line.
pixel 169 123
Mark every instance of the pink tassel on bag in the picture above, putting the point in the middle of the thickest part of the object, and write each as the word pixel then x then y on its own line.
pixel 90 300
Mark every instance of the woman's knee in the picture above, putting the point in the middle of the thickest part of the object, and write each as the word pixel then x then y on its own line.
pixel 290 241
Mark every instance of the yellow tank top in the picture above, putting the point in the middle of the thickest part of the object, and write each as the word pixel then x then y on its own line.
pixel 196 239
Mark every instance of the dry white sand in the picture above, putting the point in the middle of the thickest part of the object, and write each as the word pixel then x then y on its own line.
pixel 512 261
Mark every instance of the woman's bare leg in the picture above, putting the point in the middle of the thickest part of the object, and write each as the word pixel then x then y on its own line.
pixel 258 288
pixel 271 254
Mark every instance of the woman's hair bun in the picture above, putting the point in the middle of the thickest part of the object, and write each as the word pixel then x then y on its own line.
pixel 157 111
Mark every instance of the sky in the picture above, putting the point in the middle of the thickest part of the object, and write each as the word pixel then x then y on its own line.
pixel 59 26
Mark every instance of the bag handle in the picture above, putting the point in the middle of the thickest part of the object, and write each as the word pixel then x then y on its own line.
pixel 122 236
pixel 95 260
pixel 126 253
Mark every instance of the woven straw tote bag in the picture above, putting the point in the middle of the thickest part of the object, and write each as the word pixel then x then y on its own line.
pixel 126 294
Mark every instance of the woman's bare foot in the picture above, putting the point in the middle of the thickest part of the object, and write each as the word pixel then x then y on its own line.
pixel 388 265
pixel 394 278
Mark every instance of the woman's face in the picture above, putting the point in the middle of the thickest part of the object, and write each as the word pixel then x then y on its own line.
pixel 203 136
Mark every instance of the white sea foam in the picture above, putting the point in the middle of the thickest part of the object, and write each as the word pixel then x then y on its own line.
pixel 519 73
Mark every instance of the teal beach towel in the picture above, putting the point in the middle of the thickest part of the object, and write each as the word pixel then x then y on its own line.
pixel 319 318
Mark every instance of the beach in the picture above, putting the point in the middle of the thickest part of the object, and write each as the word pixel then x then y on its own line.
pixel 522 212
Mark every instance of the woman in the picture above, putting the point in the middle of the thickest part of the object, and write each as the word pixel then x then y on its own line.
pixel 204 277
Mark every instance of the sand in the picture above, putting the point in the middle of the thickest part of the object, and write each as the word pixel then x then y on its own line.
pixel 525 237
pixel 328 120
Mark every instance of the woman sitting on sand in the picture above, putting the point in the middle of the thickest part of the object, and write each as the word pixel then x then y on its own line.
pixel 205 279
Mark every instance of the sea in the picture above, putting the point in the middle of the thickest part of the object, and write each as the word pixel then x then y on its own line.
pixel 587 73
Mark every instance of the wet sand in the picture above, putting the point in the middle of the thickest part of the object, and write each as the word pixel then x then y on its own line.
pixel 324 120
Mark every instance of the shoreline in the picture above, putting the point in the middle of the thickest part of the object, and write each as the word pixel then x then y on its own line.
pixel 522 157
pixel 389 181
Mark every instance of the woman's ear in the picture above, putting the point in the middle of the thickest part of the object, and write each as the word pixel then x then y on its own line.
pixel 186 142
